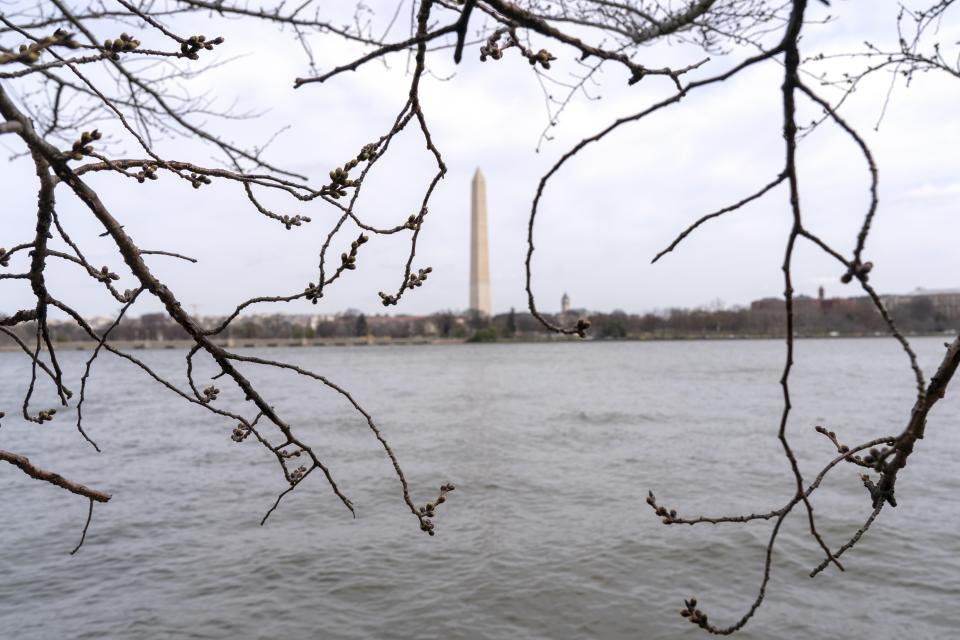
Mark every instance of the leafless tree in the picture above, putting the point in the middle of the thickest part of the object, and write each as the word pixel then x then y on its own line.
pixel 66 66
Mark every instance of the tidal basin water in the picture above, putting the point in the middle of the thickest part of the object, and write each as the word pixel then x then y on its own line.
pixel 552 448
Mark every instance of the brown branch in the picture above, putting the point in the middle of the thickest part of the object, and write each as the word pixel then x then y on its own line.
pixel 462 25
pixel 716 214
pixel 170 254
pixel 86 371
pixel 35 357
pixel 936 390
pixel 83 536
pixel 404 45
pixel 56 479
pixel 24 315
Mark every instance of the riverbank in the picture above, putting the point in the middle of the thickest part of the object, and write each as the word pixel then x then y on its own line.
pixel 270 343
pixel 259 343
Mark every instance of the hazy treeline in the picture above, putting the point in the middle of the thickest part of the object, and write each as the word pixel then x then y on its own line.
pixel 763 318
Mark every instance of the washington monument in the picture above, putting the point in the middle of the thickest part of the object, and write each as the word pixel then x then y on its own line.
pixel 479 256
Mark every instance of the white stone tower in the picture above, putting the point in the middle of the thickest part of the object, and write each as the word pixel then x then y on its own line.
pixel 479 255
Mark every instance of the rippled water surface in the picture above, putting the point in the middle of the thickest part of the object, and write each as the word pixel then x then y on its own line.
pixel 552 448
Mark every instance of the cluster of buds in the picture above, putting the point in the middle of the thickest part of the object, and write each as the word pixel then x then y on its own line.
pixel 367 153
pixel 349 260
pixel 240 433
pixel 340 177
pixel 666 516
pixel 46 416
pixel 412 223
pixel 877 495
pixel 877 459
pixel 492 48
pixel 105 275
pixel 695 616
pixel 193 44
pixel 340 180
pixel 542 57
pixel 291 454
pixel 841 448
pixel 297 474
pixel 417 279
pixel 428 510
pixel 81 147
pixel 128 295
pixel 860 271
pixel 4 258
pixel 148 172
pixel 30 53
pixel 386 299
pixel 313 293
pixel 197 181
pixel 290 221
pixel 125 42
pixel 210 393
pixel 582 325
pixel 63 38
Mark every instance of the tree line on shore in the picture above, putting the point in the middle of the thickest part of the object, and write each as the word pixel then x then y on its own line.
pixel 918 314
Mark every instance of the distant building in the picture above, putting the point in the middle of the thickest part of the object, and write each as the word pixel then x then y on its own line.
pixel 479 254
pixel 767 304
pixel 565 304
pixel 318 319
pixel 945 301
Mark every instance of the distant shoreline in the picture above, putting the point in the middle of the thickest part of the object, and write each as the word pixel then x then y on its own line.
pixel 264 343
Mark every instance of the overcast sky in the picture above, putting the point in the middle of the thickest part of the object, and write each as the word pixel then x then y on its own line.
pixel 603 218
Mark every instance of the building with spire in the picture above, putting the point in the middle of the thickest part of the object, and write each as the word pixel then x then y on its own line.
pixel 479 254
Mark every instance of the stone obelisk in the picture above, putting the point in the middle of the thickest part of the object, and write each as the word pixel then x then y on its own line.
pixel 479 256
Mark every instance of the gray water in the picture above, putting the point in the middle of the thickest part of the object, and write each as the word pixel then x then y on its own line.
pixel 552 448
